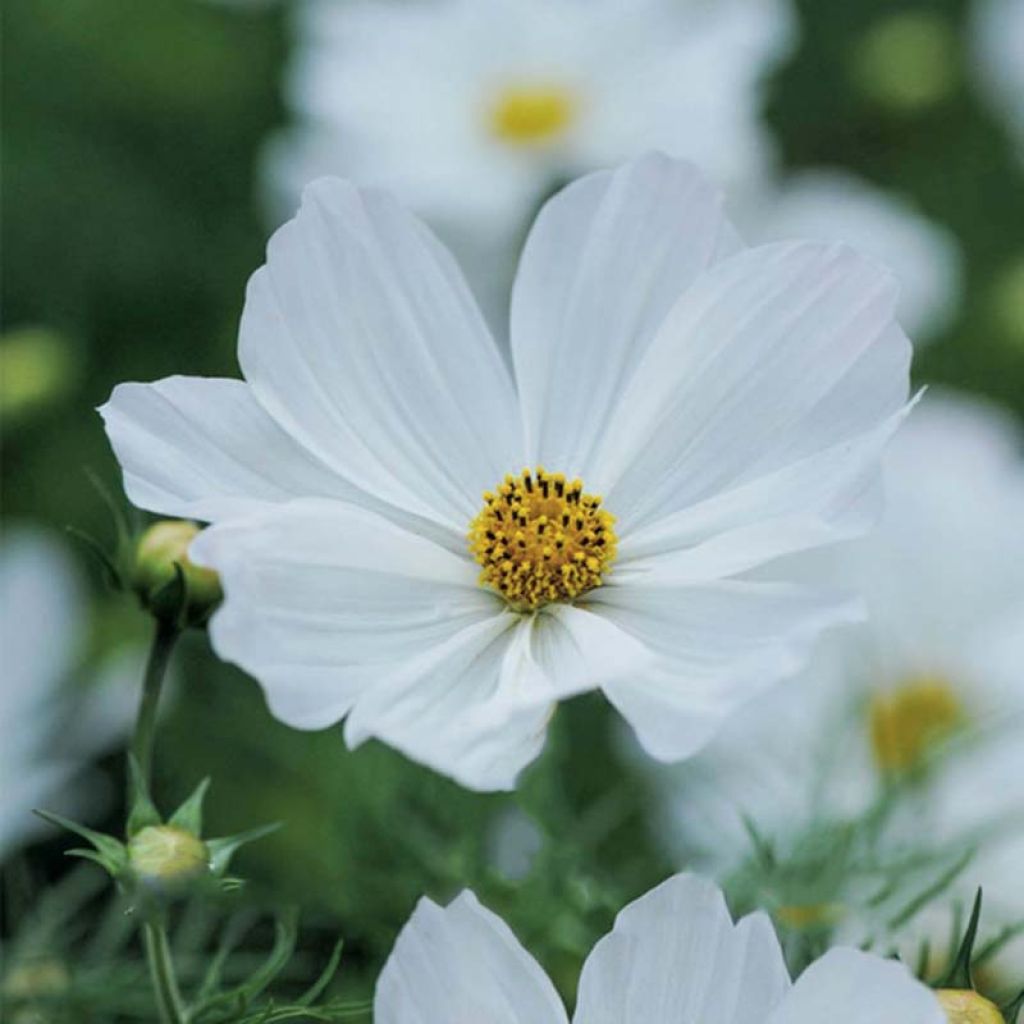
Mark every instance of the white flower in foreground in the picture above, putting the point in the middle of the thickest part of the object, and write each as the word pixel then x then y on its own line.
pixel 728 405
pixel 47 732
pixel 472 110
pixel 834 206
pixel 932 680
pixel 674 957
pixel 997 45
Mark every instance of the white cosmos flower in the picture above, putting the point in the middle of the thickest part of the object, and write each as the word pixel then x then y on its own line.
pixel 728 404
pixel 472 110
pixel 934 675
pixel 997 59
pixel 833 205
pixel 674 956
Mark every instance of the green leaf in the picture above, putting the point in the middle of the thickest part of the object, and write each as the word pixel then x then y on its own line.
pixel 959 975
pixel 313 993
pixel 143 812
pixel 189 816
pixel 223 849
pixel 1013 1008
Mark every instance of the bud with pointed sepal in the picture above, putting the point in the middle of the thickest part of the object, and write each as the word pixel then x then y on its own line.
pixel 167 582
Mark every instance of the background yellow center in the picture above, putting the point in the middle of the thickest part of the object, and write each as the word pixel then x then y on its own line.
pixel 531 115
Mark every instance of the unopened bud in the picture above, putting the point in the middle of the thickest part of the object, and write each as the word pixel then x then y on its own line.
pixel 962 1006
pixel 162 548
pixel 166 858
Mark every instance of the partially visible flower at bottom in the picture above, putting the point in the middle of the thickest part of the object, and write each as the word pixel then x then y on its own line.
pixel 674 955
pixel 687 411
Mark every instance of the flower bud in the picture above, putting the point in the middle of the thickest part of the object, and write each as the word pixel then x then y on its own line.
pixel 160 549
pixel 166 858
pixel 962 1006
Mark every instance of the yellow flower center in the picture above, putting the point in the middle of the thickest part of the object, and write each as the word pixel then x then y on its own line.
pixel 808 915
pixel 532 115
pixel 540 539
pixel 910 721
pixel 962 1006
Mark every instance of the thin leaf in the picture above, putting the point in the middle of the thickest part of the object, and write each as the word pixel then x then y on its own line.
pixel 313 993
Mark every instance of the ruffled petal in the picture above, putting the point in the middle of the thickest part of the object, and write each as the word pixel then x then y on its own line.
pixel 675 955
pixel 461 963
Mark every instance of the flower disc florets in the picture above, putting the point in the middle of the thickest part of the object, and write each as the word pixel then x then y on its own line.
pixel 963 1006
pixel 540 539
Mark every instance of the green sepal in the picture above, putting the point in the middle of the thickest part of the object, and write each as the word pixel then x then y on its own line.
pixel 108 852
pixel 223 849
pixel 189 816
pixel 1013 1008
pixel 959 974
pixel 143 812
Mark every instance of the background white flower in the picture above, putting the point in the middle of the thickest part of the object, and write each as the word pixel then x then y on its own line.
pixel 674 955
pixel 472 111
pixel 934 676
pixel 833 205
pixel 997 38
pixel 729 405
pixel 50 728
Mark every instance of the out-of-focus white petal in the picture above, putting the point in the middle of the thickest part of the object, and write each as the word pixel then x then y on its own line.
pixel 361 338
pixel 205 448
pixel 832 206
pixel 717 646
pixel 605 261
pixel 847 986
pixel 461 964
pixel 675 955
pixel 997 52
pixel 770 356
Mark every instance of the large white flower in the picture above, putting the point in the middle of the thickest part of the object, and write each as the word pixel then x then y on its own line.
pixel 729 405
pixel 471 110
pixel 933 679
pixel 833 205
pixel 674 957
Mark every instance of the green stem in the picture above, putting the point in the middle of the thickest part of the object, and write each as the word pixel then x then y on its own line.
pixel 161 970
pixel 154 933
pixel 145 724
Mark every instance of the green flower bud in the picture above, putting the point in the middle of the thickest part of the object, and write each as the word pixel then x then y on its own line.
pixel 166 858
pixel 962 1006
pixel 160 549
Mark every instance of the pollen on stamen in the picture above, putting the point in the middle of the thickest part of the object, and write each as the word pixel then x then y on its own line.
pixel 540 539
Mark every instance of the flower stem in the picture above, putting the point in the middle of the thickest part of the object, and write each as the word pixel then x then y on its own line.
pixel 161 970
pixel 154 932
pixel 164 639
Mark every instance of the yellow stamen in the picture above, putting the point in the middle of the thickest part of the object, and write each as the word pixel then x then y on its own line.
pixel 532 115
pixel 962 1006
pixel 907 723
pixel 540 539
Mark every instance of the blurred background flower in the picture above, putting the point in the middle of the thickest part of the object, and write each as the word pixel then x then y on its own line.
pixel 137 142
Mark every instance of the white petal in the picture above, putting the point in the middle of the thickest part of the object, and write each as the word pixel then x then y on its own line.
pixel 675 955
pixel 324 599
pixel 204 448
pixel 770 356
pixel 847 986
pixel 605 261
pixel 461 964
pixel 360 337
pixel 718 645
pixel 830 495
pixel 446 709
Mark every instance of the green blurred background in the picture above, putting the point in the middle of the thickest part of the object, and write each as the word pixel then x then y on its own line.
pixel 132 217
